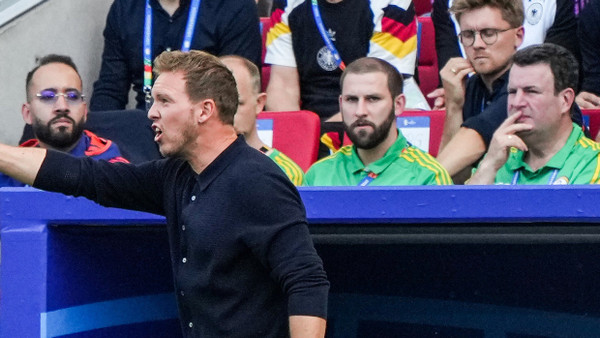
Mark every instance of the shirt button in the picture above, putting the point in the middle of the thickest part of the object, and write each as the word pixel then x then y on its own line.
pixel 182 293
pixel 183 227
pixel 191 324
pixel 184 259
pixel 193 197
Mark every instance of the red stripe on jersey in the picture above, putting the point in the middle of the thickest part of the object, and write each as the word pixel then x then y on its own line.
pixel 399 30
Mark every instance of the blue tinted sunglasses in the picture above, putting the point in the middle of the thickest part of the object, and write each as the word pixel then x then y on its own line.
pixel 50 96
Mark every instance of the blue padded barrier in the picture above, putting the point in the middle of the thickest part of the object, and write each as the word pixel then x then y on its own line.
pixel 459 261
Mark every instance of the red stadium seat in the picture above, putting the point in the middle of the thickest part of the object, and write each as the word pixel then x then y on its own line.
pixel 422 6
pixel 265 25
pixel 436 127
pixel 426 57
pixel 296 134
pixel 592 119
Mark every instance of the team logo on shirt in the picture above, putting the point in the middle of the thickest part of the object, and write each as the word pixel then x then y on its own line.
pixel 326 60
pixel 533 15
pixel 561 181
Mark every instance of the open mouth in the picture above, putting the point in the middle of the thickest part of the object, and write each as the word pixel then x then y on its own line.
pixel 157 133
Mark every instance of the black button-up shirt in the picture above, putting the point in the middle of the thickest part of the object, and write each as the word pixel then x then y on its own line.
pixel 242 256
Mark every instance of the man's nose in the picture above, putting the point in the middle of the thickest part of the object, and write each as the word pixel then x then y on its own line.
pixel 361 107
pixel 152 112
pixel 61 103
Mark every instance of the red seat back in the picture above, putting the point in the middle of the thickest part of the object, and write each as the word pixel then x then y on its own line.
pixel 592 117
pixel 296 134
pixel 427 57
pixel 265 25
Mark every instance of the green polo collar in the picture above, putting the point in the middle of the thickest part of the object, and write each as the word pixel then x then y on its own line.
pixel 556 162
pixel 355 165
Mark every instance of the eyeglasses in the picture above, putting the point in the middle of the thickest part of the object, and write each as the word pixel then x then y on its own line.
pixel 488 35
pixel 50 96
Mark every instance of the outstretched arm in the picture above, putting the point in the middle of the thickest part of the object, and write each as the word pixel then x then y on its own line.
pixel 21 163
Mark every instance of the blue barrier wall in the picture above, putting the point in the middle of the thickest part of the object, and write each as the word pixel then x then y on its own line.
pixel 403 262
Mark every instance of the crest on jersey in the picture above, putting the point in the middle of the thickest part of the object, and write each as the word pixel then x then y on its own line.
pixel 326 60
pixel 561 181
pixel 533 15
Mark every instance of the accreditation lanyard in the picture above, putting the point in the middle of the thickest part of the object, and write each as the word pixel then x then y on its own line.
pixel 550 180
pixel 185 46
pixel 325 36
pixel 367 180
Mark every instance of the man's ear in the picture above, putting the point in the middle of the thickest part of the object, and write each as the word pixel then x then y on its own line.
pixel 520 33
pixel 399 104
pixel 85 112
pixel 567 98
pixel 26 113
pixel 204 109
pixel 261 100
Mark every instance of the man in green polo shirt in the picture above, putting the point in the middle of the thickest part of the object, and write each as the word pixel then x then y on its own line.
pixel 539 143
pixel 380 155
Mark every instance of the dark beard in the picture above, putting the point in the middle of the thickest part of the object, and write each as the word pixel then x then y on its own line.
pixel 61 138
pixel 362 139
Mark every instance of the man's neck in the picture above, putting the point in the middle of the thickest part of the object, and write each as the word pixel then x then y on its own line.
pixel 542 149
pixel 334 1
pixel 170 6
pixel 209 145
pixel 368 156
pixel 64 150
pixel 253 140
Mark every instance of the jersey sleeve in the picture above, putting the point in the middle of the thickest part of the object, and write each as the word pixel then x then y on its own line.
pixel 279 37
pixel 395 34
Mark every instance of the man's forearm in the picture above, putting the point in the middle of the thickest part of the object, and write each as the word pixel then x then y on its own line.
pixel 21 163
pixel 452 123
pixel 307 327
pixel 466 148
pixel 485 174
pixel 283 91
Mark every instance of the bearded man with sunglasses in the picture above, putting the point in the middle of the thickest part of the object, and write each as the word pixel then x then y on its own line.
pixel 57 112
pixel 491 32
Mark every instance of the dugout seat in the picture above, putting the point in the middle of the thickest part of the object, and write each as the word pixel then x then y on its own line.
pixel 436 127
pixel 296 134
pixel 423 6
pixel 591 117
pixel 426 57
pixel 265 25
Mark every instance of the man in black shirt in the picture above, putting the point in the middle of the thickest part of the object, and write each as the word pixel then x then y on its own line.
pixel 242 257
pixel 491 32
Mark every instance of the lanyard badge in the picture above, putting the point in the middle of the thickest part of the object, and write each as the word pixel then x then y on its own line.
pixel 185 46
pixel 325 36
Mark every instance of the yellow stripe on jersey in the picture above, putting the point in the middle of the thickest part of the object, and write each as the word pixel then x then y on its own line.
pixel 276 31
pixel 427 161
pixel 290 169
pixel 394 45
pixel 597 172
pixel 343 151
pixel 585 142
pixel 327 141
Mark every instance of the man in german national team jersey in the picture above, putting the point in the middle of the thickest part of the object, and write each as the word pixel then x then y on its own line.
pixel 251 103
pixel 370 100
pixel 310 42
pixel 57 112
pixel 539 143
